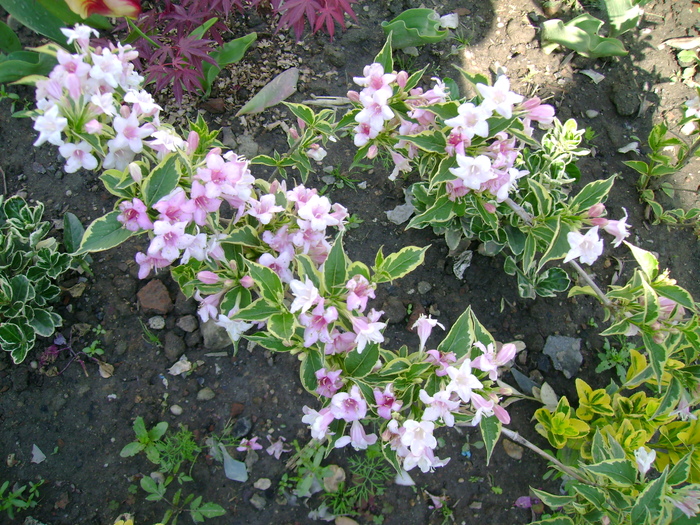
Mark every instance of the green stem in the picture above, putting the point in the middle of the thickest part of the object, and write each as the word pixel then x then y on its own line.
pixel 143 35
pixel 590 282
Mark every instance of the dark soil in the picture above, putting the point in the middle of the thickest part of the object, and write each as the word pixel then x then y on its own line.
pixel 82 422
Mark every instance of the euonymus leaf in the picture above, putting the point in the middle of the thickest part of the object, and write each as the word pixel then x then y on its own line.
pixel 104 233
pixel 278 89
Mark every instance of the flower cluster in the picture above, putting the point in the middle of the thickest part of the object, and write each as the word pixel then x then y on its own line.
pixel 485 159
pixel 589 246
pixel 462 395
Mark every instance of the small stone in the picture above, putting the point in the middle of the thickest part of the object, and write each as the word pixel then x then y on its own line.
pixel 394 310
pixel 154 298
pixel 592 113
pixel 262 484
pixel 236 409
pixel 215 337
pixel 565 353
pixel 241 427
pixel 173 346
pixel 424 287
pixel 187 323
pixel 157 322
pixel 257 501
pixel 513 450
pixel 205 394
pixel 176 410
pixel 344 520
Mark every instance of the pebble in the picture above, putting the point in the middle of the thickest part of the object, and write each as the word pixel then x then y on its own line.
pixel 205 394
pixel 257 501
pixel 176 410
pixel 154 298
pixel 157 322
pixel 424 287
pixel 565 353
pixel 262 484
pixel 513 450
pixel 187 323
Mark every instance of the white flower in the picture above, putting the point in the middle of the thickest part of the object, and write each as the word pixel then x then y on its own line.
pixel 418 436
pixel 499 97
pixel 587 247
pixel 49 125
pixel 472 120
pixel 305 295
pixel 644 459
pixel 235 329
pixel 473 171
pixel 463 381
pixel 77 156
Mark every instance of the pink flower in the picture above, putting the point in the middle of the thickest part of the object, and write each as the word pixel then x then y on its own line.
pixel 134 215
pixel 487 408
pixel 386 401
pixel 276 448
pixel 498 97
pixel 596 210
pixel 424 326
pixel 341 342
pixel 175 207
pixel 112 8
pixel 349 406
pixel 401 164
pixel 473 171
pixel 129 134
pixel 328 382
pixel 202 204
pixel 249 444
pixel 441 360
pixel 148 262
pixel 315 214
pixel 618 229
pixel 472 120
pixel 316 324
pixel 208 277
pixel 208 306
pixel 364 133
pixel 78 156
pixel 489 361
pixel 358 438
pixel 587 247
pixel 169 239
pixel 247 281
pixel 687 500
pixel 280 265
pixel 376 81
pixel 535 110
pixel 264 209
pixel 360 292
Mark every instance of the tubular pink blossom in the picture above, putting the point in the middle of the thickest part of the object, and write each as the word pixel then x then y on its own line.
pixel 85 8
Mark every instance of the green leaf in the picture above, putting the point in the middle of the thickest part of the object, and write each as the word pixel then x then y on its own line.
pixel 384 57
pixel 17 339
pixel 680 471
pixel 149 484
pixel 9 41
pixel 460 338
pixel 132 449
pixel 592 193
pixel 580 34
pixel 358 365
pixel 620 471
pixel 25 67
pixel 258 310
pixel 104 233
pixel 430 141
pixel 551 500
pixel 675 293
pixel 490 431
pixel 648 504
pixel 440 211
pixel 310 364
pixel 229 53
pixel 281 325
pixel 594 495
pixel 302 112
pixel 73 231
pixel 646 260
pixel 559 246
pixel 211 510
pixel 269 282
pixel 551 282
pixel 335 268
pixel 559 520
pixel 164 179
pixel 278 89
pixel 37 18
pixel 245 235
pixel 158 431
pixel 268 341
pixel 400 263
pixel 45 322
pixel 414 27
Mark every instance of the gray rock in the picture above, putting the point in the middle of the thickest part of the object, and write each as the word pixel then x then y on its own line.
pixel 525 383
pixel 241 427
pixel 187 323
pixel 424 287
pixel 258 501
pixel 194 339
pixel 394 310
pixel 565 353
pixel 247 146
pixel 215 337
pixel 185 306
pixel 173 346
pixel 205 394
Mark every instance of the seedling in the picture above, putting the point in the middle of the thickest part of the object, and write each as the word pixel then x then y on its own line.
pixel 149 336
pixel 13 500
pixel 147 441
pixel 614 358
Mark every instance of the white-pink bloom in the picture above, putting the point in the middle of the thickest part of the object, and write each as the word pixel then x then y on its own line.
pixel 439 406
pixel 364 133
pixel 208 306
pixel 305 295
pixel 418 436
pixel 618 229
pixel 426 461
pixel 368 330
pixel 78 156
pixel 463 381
pixel 440 359
pixel 149 262
pixel 165 141
pixel 499 97
pixel 375 111
pixel 319 422
pixel 349 406
pixel 687 500
pixel 587 247
pixel 489 360
pixel 358 438
pixel 249 444
pixel 315 214
pixel 316 152
pixel 129 133
pixel 473 171
pixel 644 459
pixel 234 328
pixel 316 324
pixel 79 34
pixel 264 209
pixel 194 247
pixel 106 68
pixel 134 215
pixel 424 326
pixel 692 107
pixel 276 448
pixel 360 291
pixel 50 125
pixel 375 80
pixel 279 264
pixel 169 239
pixel 386 401
pixel 401 164
pixel 472 120
pixel 328 382
pixel 143 102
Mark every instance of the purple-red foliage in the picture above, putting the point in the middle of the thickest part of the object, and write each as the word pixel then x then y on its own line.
pixel 180 57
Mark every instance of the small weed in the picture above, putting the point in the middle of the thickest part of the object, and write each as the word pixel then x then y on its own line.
pixel 149 336
pixel 589 134
pixel 615 358
pixel 354 221
pixel 176 450
pixel 93 349
pixel 14 500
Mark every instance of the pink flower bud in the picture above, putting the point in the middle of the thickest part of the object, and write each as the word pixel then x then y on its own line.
pixel 124 111
pixel 490 207
pixel 192 142
pixel 247 281
pixel 294 133
pixel 596 210
pixel 372 151
pixel 93 127
pixel 401 79
pixel 208 277
pixel 599 221
pixel 354 96
pixel 301 124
